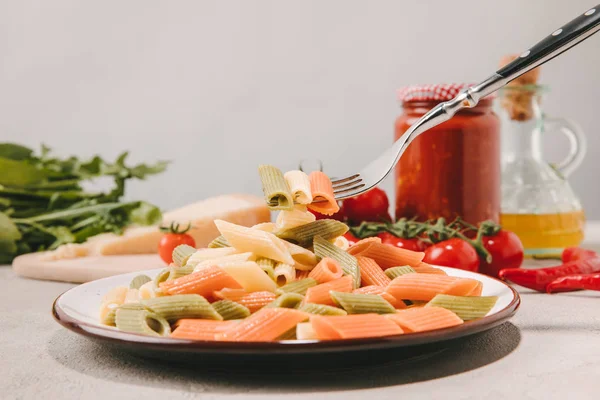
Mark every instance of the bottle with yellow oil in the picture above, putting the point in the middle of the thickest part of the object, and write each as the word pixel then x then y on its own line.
pixel 538 203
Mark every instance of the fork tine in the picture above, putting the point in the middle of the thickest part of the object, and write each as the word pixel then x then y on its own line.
pixel 349 190
pixel 344 180
pixel 345 185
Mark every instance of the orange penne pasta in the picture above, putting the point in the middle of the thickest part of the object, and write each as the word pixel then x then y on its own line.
pixel 203 282
pixel 424 268
pixel 326 270
pixel 424 287
pixel 464 286
pixel 386 256
pixel 323 199
pixel 230 294
pixel 301 274
pixel 320 294
pixel 380 291
pixel 264 326
pixel 421 319
pixel 353 326
pixel 371 273
pixel 200 329
pixel 476 290
pixel 253 301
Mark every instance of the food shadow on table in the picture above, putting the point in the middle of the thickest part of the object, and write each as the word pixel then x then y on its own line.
pixel 356 370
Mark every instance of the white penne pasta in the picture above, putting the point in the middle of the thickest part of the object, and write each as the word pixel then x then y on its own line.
pixel 284 273
pixel 304 259
pixel 299 186
pixel 291 219
pixel 233 258
pixel 250 276
pixel 148 291
pixel 209 254
pixel 105 309
pixel 341 242
pixel 115 295
pixel 266 227
pixel 305 331
pixel 133 296
pixel 263 244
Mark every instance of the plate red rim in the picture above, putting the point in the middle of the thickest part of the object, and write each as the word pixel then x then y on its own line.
pixel 179 345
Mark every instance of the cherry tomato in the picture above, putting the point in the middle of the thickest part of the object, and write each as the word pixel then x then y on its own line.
pixel 351 238
pixel 371 206
pixel 171 239
pixel 506 250
pixel 454 253
pixel 577 253
pixel 408 244
pixel 338 216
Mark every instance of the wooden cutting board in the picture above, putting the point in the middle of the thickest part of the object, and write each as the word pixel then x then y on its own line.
pixel 83 269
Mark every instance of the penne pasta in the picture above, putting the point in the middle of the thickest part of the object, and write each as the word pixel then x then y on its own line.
pixel 263 244
pixel 268 267
pixel 204 282
pixel 467 308
pixel 266 227
pixel 304 235
pixel 135 318
pixel 298 286
pixel 299 185
pixel 181 254
pixel 380 291
pixel 229 309
pixel 326 270
pixel 219 242
pixel 423 268
pixel 297 217
pixel 349 264
pixel 209 254
pixel 320 294
pixel 354 303
pixel 371 273
pixel 302 274
pixel 230 294
pixel 421 319
pixel 353 326
pixel 173 308
pixel 384 255
pixel 305 331
pixel 148 290
pixel 304 259
pixel 253 301
pixel 321 309
pixel 200 329
pixel 138 281
pixel 395 272
pixel 250 276
pixel 133 296
pixel 265 325
pixel 287 300
pixel 342 243
pixel 226 260
pixel 276 190
pixel 284 273
pixel 322 191
pixel 424 287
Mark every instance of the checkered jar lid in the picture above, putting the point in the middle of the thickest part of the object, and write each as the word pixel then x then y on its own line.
pixel 439 92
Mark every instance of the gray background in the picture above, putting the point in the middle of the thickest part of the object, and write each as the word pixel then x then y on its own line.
pixel 221 86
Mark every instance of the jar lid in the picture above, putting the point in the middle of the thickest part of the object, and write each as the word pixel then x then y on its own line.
pixel 437 92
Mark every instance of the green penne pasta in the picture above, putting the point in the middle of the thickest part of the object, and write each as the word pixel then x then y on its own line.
pixel 268 266
pixel 303 235
pixel 219 242
pixel 138 281
pixel 178 272
pixel 355 303
pixel 109 318
pixel 467 307
pixel 300 286
pixel 136 318
pixel 277 192
pixel 182 306
pixel 348 262
pixel 181 254
pixel 287 300
pixel 395 272
pixel 230 310
pixel 161 277
pixel 321 309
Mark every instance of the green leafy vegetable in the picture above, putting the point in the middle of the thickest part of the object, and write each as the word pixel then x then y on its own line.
pixel 43 203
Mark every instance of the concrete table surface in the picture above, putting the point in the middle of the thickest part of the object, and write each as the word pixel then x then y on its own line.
pixel 549 350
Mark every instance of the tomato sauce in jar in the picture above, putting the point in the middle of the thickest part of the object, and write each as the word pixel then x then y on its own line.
pixel 452 169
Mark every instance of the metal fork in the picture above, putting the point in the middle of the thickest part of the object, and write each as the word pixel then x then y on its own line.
pixel 556 43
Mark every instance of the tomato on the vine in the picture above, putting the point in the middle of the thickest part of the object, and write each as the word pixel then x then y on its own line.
pixel 351 238
pixel 454 253
pixel 506 250
pixel 408 244
pixel 173 238
pixel 370 206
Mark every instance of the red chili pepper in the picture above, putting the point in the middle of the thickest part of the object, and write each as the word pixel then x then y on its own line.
pixel 574 282
pixel 577 253
pixel 538 279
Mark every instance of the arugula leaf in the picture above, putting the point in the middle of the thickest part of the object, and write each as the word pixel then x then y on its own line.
pixel 14 151
pixel 19 173
pixel 8 229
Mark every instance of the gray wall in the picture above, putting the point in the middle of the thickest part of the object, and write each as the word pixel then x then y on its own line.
pixel 221 86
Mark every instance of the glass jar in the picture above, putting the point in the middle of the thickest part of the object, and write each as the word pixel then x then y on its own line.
pixel 538 203
pixel 454 168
